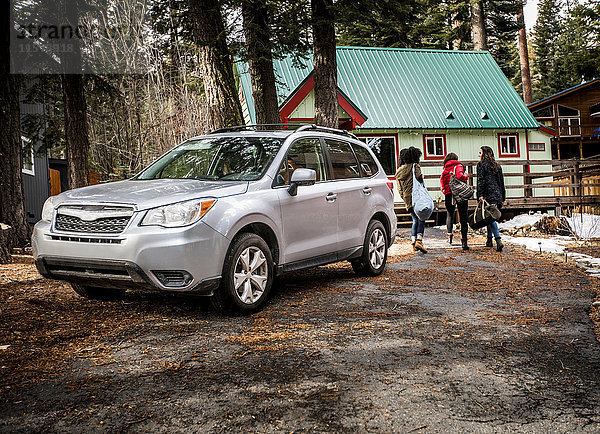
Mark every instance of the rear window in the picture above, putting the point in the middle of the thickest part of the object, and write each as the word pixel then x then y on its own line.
pixel 368 166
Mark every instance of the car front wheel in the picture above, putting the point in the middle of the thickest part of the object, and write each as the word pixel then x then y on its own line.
pixel 375 248
pixel 247 276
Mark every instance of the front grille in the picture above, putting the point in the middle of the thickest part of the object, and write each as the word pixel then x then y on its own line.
pixel 99 219
pixel 105 225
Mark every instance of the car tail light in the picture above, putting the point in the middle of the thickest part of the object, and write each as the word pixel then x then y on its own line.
pixel 390 184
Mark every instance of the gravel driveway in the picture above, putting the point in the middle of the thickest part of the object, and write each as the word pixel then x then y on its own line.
pixel 447 341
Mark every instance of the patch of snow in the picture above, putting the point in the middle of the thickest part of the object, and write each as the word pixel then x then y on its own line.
pixel 548 245
pixel 520 221
pixel 585 226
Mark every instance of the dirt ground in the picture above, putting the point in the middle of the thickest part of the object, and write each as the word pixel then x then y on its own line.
pixel 447 341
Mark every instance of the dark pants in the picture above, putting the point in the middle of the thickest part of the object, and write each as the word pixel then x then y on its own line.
pixel 463 208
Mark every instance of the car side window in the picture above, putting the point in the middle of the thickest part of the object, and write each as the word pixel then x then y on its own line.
pixel 343 161
pixel 304 153
pixel 368 166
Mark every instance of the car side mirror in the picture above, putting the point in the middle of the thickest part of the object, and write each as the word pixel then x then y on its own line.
pixel 301 177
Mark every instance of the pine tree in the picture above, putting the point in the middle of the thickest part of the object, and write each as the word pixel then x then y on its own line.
pixel 546 63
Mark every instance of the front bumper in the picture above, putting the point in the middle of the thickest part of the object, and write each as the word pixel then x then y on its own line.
pixel 134 258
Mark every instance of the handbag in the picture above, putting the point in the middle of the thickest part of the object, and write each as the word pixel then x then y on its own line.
pixel 461 191
pixel 422 203
pixel 485 213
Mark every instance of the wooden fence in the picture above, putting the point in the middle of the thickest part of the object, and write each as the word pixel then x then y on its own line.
pixel 575 183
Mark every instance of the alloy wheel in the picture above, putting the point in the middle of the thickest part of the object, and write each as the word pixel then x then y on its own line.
pixel 251 275
pixel 377 248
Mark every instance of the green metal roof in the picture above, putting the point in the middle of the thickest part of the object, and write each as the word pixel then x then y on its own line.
pixel 414 89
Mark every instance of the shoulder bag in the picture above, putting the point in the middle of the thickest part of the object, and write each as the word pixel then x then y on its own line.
pixel 422 202
pixel 461 191
pixel 485 213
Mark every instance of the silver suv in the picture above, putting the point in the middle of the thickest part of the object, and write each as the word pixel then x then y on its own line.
pixel 222 215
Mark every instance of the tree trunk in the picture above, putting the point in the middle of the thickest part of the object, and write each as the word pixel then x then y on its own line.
pixel 4 245
pixel 325 64
pixel 76 127
pixel 524 59
pixel 260 61
pixel 224 108
pixel 12 197
pixel 76 130
pixel 478 31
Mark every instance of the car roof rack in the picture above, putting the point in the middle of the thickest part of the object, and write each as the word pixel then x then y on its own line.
pixel 237 128
pixel 314 127
pixel 298 128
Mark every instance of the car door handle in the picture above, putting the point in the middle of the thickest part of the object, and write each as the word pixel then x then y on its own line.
pixel 331 197
pixel 367 191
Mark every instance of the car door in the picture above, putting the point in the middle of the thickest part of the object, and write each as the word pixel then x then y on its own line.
pixel 349 187
pixel 310 217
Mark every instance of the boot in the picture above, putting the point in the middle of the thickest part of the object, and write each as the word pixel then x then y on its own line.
pixel 450 235
pixel 463 241
pixel 488 243
pixel 413 240
pixel 499 244
pixel 419 246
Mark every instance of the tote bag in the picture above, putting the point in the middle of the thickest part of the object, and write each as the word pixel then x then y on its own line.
pixel 421 199
pixel 484 214
pixel 461 191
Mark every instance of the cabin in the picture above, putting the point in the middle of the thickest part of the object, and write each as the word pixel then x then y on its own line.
pixel 437 100
pixel 574 114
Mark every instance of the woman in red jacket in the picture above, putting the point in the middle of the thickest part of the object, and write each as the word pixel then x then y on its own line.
pixel 453 166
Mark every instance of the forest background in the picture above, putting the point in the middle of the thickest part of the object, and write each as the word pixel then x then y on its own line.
pixel 116 123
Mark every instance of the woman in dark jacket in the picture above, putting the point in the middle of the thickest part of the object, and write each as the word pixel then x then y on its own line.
pixel 453 166
pixel 490 186
pixel 404 177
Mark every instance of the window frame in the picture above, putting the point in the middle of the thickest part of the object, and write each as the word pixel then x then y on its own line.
pixel 543 147
pixel 426 155
pixel 516 154
pixel 382 136
pixel 24 141
pixel 326 162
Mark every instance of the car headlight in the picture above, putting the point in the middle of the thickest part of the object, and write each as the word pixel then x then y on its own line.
pixel 178 214
pixel 48 209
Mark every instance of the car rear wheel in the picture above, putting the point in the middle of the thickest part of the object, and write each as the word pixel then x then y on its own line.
pixel 375 248
pixel 97 293
pixel 247 276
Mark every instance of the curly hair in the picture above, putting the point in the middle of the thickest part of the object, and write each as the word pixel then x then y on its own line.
pixel 488 155
pixel 410 155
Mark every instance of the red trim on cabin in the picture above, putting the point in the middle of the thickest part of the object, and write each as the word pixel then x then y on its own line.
pixel 502 154
pixel 426 156
pixel 302 93
pixel 297 98
pixel 348 108
pixel 527 145
pixel 547 130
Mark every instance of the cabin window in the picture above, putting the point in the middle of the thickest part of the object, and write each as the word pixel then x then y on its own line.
pixel 28 157
pixel 537 146
pixel 508 145
pixel 435 146
pixel 384 147
pixel 568 121
pixel 546 112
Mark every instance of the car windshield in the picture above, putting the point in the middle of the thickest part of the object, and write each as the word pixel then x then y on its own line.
pixel 218 158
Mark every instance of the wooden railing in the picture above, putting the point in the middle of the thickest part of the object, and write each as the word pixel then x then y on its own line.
pixel 583 131
pixel 574 182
